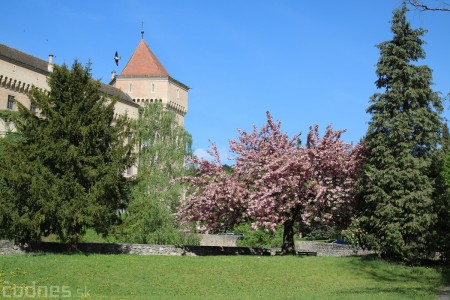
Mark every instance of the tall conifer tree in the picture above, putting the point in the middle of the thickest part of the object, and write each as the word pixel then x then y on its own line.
pixel 441 238
pixel 64 173
pixel 403 135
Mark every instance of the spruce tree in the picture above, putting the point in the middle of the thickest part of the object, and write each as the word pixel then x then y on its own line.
pixel 64 174
pixel 403 136
pixel 441 237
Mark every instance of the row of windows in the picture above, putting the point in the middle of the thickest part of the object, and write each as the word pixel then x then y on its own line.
pixel 11 101
pixel 130 89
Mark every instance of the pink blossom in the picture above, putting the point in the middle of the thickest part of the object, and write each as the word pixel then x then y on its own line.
pixel 274 180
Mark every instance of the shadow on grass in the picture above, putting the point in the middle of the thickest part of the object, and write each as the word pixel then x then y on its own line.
pixel 406 292
pixel 82 248
pixel 445 275
pixel 117 248
pixel 385 271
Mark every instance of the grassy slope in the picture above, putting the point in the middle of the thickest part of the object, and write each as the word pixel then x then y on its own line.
pixel 220 277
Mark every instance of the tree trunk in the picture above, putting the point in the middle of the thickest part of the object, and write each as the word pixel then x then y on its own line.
pixel 288 238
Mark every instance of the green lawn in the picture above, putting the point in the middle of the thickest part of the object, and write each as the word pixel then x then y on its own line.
pixel 214 277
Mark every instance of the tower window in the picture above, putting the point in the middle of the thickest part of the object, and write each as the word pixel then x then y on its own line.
pixel 153 87
pixel 130 87
pixel 178 93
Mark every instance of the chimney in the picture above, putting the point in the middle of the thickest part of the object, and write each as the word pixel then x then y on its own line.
pixel 50 63
pixel 113 74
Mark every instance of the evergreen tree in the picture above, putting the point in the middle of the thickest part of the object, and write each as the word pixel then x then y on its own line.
pixel 402 139
pixel 65 172
pixel 10 137
pixel 441 238
pixel 163 146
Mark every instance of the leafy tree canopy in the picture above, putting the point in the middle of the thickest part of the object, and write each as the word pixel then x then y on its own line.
pixel 275 181
pixel 163 147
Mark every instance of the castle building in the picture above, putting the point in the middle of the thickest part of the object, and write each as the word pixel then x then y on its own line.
pixel 143 80
pixel 146 80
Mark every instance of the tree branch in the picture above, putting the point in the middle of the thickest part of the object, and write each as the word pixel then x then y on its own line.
pixel 419 4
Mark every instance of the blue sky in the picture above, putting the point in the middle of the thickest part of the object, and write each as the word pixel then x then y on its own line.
pixel 307 62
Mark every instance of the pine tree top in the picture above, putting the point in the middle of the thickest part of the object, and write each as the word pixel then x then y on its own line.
pixel 407 114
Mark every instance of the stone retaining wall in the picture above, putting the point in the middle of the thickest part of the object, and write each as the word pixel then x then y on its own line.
pixel 331 249
pixel 7 247
pixel 306 248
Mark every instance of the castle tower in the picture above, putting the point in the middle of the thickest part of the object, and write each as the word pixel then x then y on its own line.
pixel 146 80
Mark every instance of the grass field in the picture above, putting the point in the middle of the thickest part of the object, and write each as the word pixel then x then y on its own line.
pixel 213 277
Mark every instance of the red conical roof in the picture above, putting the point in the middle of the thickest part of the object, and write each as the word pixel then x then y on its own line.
pixel 144 63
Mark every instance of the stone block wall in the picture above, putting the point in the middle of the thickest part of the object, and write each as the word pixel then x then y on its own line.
pixel 305 248
pixel 7 247
pixel 330 249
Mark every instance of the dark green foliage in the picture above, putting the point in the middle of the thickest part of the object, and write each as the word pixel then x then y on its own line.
pixel 324 232
pixel 402 140
pixel 164 145
pixel 9 138
pixel 259 238
pixel 441 238
pixel 228 169
pixel 65 172
pixel 8 115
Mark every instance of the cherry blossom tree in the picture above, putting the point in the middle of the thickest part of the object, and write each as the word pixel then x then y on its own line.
pixel 275 181
pixel 215 198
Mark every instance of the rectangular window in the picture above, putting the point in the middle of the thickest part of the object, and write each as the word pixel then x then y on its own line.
pixel 153 87
pixel 10 103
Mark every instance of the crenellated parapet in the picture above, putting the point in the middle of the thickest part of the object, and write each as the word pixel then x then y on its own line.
pixel 16 85
pixel 168 104
pixel 177 108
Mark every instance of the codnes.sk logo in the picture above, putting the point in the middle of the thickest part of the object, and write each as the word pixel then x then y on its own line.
pixel 43 291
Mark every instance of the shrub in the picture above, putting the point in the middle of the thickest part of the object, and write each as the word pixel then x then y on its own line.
pixel 259 238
